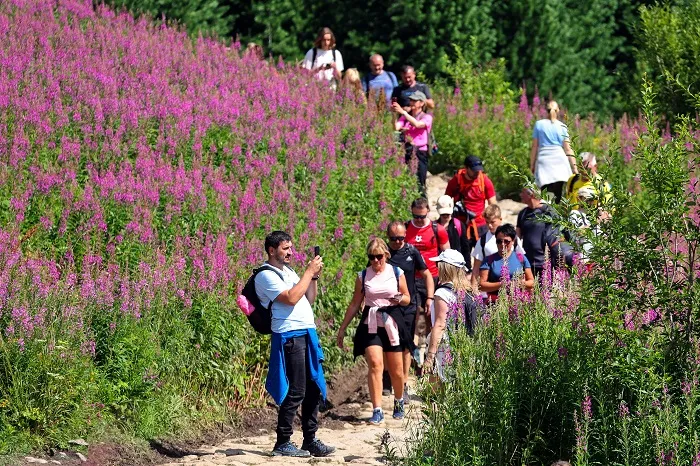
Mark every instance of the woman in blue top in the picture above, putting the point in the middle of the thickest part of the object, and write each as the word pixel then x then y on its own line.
pixel 552 160
pixel 507 258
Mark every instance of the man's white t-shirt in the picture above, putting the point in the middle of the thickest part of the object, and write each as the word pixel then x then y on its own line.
pixel 490 247
pixel 323 57
pixel 285 318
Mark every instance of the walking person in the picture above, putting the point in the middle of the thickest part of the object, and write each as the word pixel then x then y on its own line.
pixel 295 377
pixel 507 258
pixel 415 126
pixel 486 245
pixel 430 238
pixel 456 228
pixel 453 280
pixel 324 58
pixel 408 86
pixel 409 259
pixel 378 81
pixel 473 190
pixel 381 333
pixel 552 160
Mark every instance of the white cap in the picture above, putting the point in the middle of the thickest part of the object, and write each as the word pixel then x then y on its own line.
pixel 451 256
pixel 445 205
pixel 585 193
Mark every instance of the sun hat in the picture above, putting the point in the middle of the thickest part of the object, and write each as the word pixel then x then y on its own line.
pixel 445 205
pixel 418 95
pixel 452 257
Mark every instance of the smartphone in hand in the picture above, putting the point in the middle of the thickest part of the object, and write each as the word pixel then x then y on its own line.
pixel 317 251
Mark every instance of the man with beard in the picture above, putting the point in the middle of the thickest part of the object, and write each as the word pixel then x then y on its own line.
pixel 295 376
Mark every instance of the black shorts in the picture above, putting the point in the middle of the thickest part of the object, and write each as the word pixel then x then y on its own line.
pixel 409 318
pixel 381 338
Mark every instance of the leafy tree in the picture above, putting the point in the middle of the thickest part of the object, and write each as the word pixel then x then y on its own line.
pixel 197 16
pixel 669 38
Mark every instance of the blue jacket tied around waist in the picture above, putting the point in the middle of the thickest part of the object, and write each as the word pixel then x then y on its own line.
pixel 277 383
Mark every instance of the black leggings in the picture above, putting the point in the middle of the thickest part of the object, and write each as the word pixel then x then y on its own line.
pixel 556 189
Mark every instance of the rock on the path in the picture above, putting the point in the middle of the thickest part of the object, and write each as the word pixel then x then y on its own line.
pixel 31 459
pixel 81 457
pixel 347 425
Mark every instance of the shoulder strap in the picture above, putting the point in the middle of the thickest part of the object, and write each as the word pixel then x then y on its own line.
pixel 435 234
pixel 270 268
pixel 483 244
pixel 397 274
pixel 333 55
pixel 482 184
pixel 394 81
pixel 571 183
pixel 313 58
pixel 449 286
pixel 364 275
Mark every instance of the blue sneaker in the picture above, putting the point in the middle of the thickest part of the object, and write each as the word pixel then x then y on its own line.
pixel 289 449
pixel 399 411
pixel 377 417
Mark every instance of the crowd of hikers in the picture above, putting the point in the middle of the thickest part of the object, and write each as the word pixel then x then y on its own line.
pixel 422 268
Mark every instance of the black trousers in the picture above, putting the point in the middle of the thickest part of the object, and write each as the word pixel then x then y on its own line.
pixel 556 189
pixel 422 173
pixel 302 391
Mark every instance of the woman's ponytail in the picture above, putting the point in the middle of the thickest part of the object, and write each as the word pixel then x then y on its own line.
pixel 552 110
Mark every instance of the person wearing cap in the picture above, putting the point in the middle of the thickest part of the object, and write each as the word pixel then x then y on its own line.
pixel 415 125
pixel 507 258
pixel 453 280
pixel 456 228
pixel 473 189
pixel 408 86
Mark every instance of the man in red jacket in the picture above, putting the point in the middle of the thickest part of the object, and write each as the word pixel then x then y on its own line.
pixel 474 189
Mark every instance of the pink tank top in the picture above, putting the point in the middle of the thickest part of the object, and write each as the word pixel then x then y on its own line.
pixel 381 287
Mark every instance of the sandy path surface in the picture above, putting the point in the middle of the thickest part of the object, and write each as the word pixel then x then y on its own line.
pixel 358 443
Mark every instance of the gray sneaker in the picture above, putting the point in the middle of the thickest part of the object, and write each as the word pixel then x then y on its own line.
pixel 289 449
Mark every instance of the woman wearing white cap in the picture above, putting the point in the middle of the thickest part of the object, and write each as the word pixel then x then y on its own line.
pixel 453 280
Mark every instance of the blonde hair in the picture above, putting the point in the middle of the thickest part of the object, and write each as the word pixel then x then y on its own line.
pixel 449 273
pixel 378 246
pixel 492 211
pixel 552 109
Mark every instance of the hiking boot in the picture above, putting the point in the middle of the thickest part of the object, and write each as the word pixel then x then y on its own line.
pixel 289 449
pixel 399 411
pixel 377 417
pixel 318 448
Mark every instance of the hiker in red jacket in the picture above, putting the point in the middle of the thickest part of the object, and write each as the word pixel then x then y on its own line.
pixel 473 189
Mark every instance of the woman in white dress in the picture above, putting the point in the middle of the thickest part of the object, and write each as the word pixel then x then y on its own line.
pixel 552 160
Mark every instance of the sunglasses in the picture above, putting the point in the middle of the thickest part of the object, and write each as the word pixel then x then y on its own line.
pixel 378 257
pixel 503 241
pixel 419 217
pixel 397 238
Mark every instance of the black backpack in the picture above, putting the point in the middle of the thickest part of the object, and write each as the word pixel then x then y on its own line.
pixel 470 308
pixel 313 57
pixel 261 317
